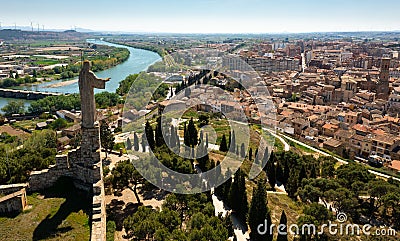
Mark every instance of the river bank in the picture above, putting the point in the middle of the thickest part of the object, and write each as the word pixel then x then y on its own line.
pixel 139 60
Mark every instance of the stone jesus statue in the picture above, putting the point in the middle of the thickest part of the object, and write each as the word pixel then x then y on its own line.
pixel 87 82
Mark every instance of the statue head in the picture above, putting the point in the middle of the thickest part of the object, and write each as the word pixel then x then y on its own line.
pixel 86 65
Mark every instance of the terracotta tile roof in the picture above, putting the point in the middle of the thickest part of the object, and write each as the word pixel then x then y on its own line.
pixel 359 127
pixel 344 133
pixel 379 132
pixel 330 126
pixel 387 139
pixel 333 143
pixel 395 165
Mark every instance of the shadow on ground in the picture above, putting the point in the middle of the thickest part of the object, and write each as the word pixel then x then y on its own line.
pixel 117 211
pixel 76 200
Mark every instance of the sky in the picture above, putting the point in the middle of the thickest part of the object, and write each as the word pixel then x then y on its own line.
pixel 205 16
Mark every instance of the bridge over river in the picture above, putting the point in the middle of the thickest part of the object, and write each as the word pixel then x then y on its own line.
pixel 26 94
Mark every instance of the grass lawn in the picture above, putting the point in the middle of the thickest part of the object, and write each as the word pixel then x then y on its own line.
pixel 26 124
pixel 56 214
pixel 45 62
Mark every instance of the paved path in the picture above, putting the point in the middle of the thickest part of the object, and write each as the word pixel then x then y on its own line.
pixel 336 158
pixel 285 144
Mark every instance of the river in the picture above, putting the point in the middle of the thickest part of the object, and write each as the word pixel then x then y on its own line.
pixel 139 60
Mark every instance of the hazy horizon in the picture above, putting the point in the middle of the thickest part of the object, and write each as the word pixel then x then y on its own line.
pixel 205 16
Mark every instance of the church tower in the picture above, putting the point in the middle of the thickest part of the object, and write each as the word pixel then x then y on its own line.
pixel 382 90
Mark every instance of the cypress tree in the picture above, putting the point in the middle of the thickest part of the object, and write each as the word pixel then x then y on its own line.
pixel 159 138
pixel 217 179
pixel 270 171
pixel 270 234
pixel 292 184
pixel 178 142
pixel 313 172
pixel 192 133
pixel 286 172
pixel 223 146
pixel 302 175
pixel 258 212
pixel 149 135
pixel 279 172
pixel 250 154
pixel 232 144
pixel 229 140
pixel 207 140
pixel 128 144
pixel 185 135
pixel 238 195
pixel 227 186
pixel 242 151
pixel 135 142
pixel 256 158
pixel 172 138
pixel 201 139
pixel 143 143
pixel 283 222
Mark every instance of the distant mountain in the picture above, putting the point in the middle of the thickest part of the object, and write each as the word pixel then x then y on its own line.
pixel 18 34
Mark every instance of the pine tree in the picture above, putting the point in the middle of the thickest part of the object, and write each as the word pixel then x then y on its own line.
pixel 258 212
pixel 149 135
pixel 283 222
pixel 223 146
pixel 135 142
pixel 128 144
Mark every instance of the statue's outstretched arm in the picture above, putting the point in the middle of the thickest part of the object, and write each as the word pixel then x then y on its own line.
pixel 97 82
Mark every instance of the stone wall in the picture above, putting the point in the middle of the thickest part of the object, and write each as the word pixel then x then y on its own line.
pixel 13 203
pixel 98 232
pixel 84 166
pixel 11 188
